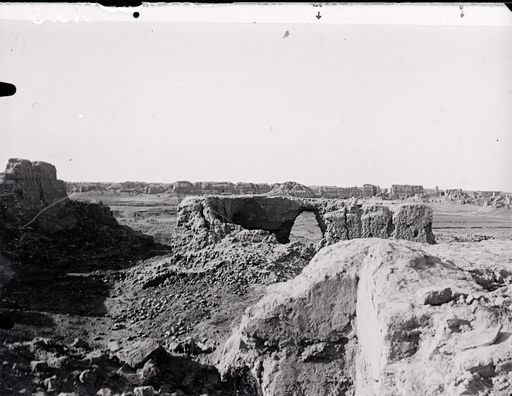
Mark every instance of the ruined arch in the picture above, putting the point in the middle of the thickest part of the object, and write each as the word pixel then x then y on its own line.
pixel 257 212
pixel 310 228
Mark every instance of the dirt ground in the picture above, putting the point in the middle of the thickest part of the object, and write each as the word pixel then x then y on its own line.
pixel 184 296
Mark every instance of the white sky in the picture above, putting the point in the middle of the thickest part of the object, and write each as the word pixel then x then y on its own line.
pixel 334 104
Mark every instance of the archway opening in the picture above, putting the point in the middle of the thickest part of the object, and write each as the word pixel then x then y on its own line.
pixel 306 229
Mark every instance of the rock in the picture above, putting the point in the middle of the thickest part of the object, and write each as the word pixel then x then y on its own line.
pixel 377 317
pixel 499 301
pixel 149 371
pixel 191 347
pixel 79 343
pixel 479 337
pixel 51 383
pixel 114 346
pixel 144 391
pixel 165 389
pixel 38 366
pixel 104 392
pixel 298 339
pixel 58 362
pixel 96 357
pixel 435 295
pixel 187 346
pixel 87 377
pixel 207 346
pixel 137 353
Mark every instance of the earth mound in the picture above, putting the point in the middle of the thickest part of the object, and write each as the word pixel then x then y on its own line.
pixel 382 317
pixel 291 189
pixel 39 225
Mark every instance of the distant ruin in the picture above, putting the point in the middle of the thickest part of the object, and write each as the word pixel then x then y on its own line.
pixel 400 191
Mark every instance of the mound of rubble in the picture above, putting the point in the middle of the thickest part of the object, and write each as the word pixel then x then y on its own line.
pixel 382 317
pixel 39 224
pixel 199 293
pixel 216 216
pixel 291 189
pixel 493 199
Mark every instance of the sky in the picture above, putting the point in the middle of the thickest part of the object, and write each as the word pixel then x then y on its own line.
pixel 325 104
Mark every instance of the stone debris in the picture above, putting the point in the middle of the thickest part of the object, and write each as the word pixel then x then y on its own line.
pixel 104 392
pixel 137 353
pixel 39 366
pixel 87 377
pixel 144 391
pixel 163 374
pixel 435 295
pixel 291 189
pixel 479 338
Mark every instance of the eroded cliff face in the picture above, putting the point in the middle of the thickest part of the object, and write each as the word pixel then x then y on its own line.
pixel 382 317
pixel 337 219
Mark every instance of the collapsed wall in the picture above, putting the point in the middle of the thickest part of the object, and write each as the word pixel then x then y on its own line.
pixel 381 317
pixel 337 219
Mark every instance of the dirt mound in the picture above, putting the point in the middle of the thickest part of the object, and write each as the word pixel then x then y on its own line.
pixel 200 292
pixel 291 189
pixel 373 317
pixel 39 225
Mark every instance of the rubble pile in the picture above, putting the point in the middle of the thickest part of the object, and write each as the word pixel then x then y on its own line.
pixel 493 199
pixel 291 189
pixel 44 367
pixel 39 225
pixel 172 294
